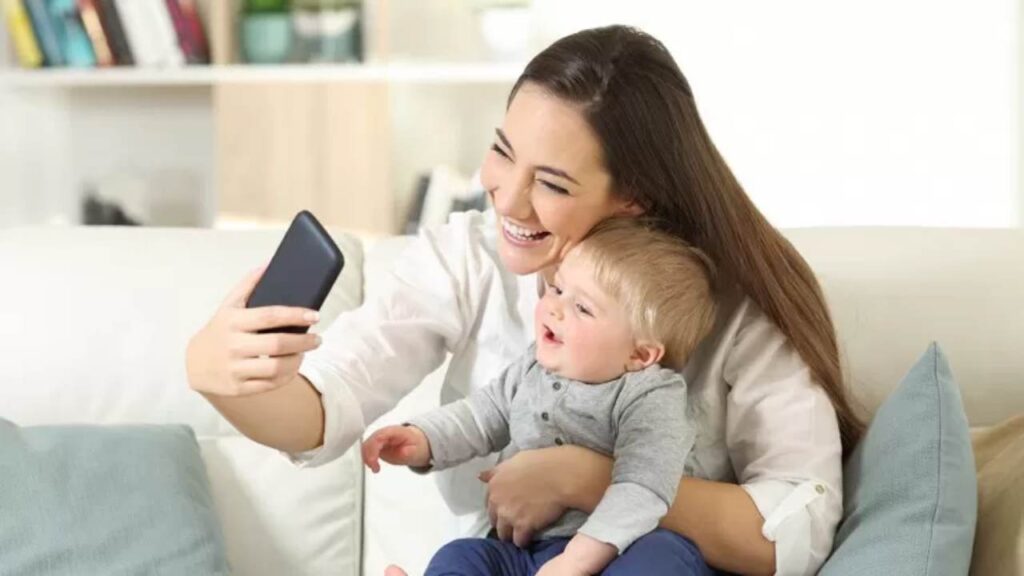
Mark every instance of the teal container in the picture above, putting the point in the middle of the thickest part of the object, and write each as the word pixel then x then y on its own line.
pixel 266 37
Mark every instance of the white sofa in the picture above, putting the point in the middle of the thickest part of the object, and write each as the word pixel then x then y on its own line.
pixel 94 322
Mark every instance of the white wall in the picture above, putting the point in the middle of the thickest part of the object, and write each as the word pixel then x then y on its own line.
pixel 848 113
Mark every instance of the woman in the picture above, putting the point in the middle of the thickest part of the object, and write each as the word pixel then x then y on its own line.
pixel 602 123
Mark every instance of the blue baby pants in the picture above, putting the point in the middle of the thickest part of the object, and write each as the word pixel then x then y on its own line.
pixel 660 553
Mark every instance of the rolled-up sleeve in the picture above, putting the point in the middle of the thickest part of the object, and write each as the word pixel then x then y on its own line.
pixel 783 439
pixel 373 356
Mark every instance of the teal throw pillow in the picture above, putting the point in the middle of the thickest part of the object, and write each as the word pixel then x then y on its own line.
pixel 910 488
pixel 87 499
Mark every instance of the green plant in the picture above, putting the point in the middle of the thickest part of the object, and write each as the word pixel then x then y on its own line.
pixel 257 6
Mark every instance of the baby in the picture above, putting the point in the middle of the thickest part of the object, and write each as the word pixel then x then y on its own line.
pixel 624 311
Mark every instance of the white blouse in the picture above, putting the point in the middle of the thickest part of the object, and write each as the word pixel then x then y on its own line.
pixel 761 420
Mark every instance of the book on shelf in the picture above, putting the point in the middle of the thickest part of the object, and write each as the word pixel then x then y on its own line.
pixel 110 19
pixel 45 32
pixel 189 28
pixel 166 35
pixel 94 28
pixel 20 27
pixel 102 33
pixel 75 44
pixel 148 32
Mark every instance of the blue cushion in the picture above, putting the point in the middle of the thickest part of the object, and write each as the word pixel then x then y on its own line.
pixel 84 499
pixel 910 489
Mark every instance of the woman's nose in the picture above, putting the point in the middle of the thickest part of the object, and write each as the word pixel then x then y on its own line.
pixel 512 198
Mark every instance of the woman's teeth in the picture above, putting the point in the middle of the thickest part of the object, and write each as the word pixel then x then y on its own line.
pixel 520 233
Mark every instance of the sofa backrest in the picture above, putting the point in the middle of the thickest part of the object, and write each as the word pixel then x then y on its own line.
pixel 93 326
pixel 894 290
pixel 94 323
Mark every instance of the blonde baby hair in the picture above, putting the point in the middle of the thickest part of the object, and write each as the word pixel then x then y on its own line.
pixel 665 285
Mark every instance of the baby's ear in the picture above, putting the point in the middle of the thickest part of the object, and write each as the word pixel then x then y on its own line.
pixel 645 353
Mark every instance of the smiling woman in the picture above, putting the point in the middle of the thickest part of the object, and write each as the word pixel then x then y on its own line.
pixel 545 174
pixel 601 124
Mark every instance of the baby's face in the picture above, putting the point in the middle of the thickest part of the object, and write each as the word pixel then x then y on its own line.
pixel 581 332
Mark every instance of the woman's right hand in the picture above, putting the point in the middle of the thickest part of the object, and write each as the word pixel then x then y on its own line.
pixel 532 489
pixel 227 357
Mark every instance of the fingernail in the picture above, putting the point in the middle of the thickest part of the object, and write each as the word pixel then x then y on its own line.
pixel 318 340
pixel 311 316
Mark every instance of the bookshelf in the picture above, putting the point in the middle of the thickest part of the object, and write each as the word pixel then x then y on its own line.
pixel 258 142
pixel 439 73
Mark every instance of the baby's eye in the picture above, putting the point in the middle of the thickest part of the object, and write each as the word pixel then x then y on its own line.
pixel 555 289
pixel 583 310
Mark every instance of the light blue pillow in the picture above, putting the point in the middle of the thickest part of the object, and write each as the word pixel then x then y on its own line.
pixel 85 499
pixel 910 489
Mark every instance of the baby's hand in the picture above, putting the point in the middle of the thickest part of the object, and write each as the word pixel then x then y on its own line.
pixel 582 556
pixel 401 445
pixel 562 565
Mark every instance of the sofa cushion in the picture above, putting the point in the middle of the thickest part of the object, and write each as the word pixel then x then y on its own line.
pixel 910 488
pixel 106 500
pixel 999 543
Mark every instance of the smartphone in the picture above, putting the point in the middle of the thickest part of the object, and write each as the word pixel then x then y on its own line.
pixel 301 273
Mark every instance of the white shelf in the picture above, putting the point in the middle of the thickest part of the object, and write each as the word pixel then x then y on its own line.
pixel 205 76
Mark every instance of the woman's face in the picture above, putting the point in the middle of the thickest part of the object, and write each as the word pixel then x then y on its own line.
pixel 546 177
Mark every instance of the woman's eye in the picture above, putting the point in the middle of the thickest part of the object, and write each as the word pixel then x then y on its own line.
pixel 498 149
pixel 583 310
pixel 553 188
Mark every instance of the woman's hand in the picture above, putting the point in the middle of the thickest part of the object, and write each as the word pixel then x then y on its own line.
pixel 399 445
pixel 228 358
pixel 529 491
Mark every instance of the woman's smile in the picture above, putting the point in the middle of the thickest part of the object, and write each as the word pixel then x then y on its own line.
pixel 522 236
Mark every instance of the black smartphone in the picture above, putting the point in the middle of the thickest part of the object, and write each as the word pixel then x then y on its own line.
pixel 301 273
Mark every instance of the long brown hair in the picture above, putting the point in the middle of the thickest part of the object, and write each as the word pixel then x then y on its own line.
pixel 660 156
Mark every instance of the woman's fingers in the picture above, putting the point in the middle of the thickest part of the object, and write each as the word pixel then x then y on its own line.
pixel 267 317
pixel 269 368
pixel 522 535
pixel 239 295
pixel 281 344
pixel 492 513
pixel 504 529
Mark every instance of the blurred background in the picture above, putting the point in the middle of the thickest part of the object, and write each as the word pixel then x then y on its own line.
pixel 375 114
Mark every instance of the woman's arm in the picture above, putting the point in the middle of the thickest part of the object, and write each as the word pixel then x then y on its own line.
pixel 289 418
pixel 252 378
pixel 724 523
pixel 312 401
pixel 720 518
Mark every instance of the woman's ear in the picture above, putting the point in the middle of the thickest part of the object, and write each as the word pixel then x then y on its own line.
pixel 630 208
pixel 644 354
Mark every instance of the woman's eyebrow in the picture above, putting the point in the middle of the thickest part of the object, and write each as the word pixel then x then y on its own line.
pixel 548 169
pixel 504 140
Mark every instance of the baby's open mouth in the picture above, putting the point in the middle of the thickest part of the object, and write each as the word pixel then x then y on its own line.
pixel 550 337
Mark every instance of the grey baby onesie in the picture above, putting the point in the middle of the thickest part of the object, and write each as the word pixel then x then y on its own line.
pixel 639 419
